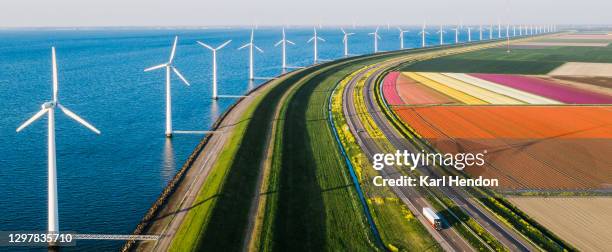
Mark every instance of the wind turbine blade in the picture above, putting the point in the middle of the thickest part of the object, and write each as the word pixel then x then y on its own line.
pixel 290 42
pixel 258 49
pixel 205 45
pixel 349 34
pixel 78 119
pixel 173 49
pixel 176 71
pixel 342 29
pixel 32 119
pixel 321 39
pixel 155 67
pixel 310 40
pixel 244 46
pixel 54 63
pixel 223 45
pixel 278 43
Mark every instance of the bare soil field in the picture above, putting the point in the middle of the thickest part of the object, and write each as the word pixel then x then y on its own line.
pixel 583 69
pixel 582 221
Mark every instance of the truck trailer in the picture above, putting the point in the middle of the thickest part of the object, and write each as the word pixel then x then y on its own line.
pixel 433 218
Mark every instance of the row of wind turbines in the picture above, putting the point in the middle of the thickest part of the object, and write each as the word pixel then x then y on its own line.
pixel 49 108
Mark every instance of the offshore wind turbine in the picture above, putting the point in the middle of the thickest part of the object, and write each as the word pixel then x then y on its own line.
pixel 214 53
pixel 314 39
pixel 480 30
pixel 469 30
pixel 456 29
pixel 401 35
pixel 498 29
pixel 490 31
pixel 283 42
pixel 423 33
pixel 169 66
pixel 345 41
pixel 441 31
pixel 48 108
pixel 376 38
pixel 251 46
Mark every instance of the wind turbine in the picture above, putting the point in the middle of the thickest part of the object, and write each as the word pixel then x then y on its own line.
pixel 498 29
pixel 345 41
pixel 48 108
pixel 469 33
pixel 314 39
pixel 441 31
pixel 423 33
pixel 376 38
pixel 513 30
pixel 169 66
pixel 480 31
pixel 284 42
pixel 251 46
pixel 214 53
pixel 490 32
pixel 401 35
pixel 456 29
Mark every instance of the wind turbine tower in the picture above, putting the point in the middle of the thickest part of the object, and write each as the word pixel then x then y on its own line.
pixel 376 38
pixel 423 33
pixel 169 68
pixel 48 108
pixel 401 35
pixel 441 31
pixel 215 95
pixel 456 29
pixel 251 46
pixel 283 42
pixel 480 30
pixel 315 38
pixel 345 41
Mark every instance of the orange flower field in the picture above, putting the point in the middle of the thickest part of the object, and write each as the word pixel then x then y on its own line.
pixel 528 147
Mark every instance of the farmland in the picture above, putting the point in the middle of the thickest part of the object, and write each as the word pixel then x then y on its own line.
pixel 583 221
pixel 529 147
pixel 537 60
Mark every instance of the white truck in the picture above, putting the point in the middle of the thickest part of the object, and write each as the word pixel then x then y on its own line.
pixel 433 218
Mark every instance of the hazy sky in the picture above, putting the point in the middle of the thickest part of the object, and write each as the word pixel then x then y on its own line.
pixel 35 13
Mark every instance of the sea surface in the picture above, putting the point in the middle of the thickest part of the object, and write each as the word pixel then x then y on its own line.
pixel 107 182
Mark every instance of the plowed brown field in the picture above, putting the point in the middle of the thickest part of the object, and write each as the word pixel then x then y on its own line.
pixel 528 147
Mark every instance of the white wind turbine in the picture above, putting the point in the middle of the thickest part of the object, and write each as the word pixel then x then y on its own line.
pixel 423 33
pixel 513 30
pixel 441 31
pixel 456 29
pixel 48 108
pixel 345 41
pixel 283 42
pixel 498 29
pixel 214 54
pixel 169 67
pixel 376 38
pixel 251 46
pixel 469 31
pixel 480 30
pixel 401 35
pixel 315 38
pixel 490 32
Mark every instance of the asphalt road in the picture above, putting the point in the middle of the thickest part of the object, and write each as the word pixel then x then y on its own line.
pixel 506 235
pixel 448 238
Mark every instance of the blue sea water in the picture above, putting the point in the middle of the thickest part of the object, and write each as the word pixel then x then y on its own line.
pixel 106 183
